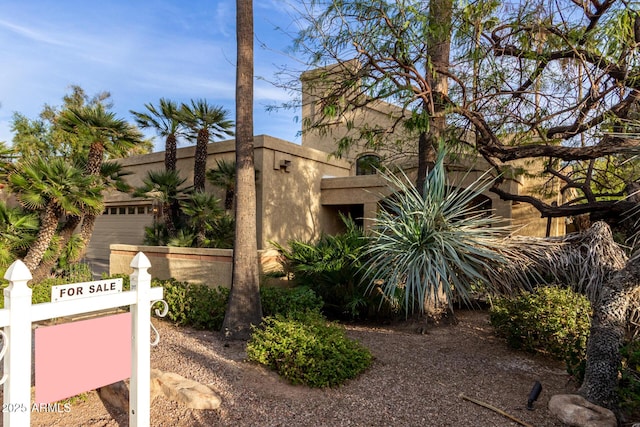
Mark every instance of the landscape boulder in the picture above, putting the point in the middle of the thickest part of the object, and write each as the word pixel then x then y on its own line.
pixel 173 386
pixel 576 411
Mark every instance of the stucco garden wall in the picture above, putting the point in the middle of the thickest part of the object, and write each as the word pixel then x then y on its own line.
pixel 196 265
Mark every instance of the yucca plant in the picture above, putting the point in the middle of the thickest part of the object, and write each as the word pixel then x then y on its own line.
pixel 436 244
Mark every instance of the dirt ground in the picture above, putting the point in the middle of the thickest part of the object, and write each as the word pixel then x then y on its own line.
pixel 421 376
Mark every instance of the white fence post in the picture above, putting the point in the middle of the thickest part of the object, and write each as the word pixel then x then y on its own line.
pixel 140 388
pixel 17 361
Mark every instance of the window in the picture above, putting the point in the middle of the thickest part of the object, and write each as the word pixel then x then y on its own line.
pixel 367 164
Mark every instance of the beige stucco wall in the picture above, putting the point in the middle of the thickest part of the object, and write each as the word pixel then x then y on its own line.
pixel 288 179
pixel 322 133
pixel 212 267
pixel 289 188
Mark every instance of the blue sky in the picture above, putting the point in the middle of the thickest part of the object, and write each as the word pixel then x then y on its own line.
pixel 140 51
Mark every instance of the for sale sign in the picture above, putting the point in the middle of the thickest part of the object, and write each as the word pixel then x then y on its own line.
pixel 85 289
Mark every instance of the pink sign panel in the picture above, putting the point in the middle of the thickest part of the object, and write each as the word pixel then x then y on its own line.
pixel 80 356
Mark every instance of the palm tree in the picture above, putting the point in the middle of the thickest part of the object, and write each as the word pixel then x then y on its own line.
pixel 67 241
pixel 202 209
pixel 17 232
pixel 224 176
pixel 205 123
pixel 107 136
pixel 53 187
pixel 165 119
pixel 164 186
pixel 244 308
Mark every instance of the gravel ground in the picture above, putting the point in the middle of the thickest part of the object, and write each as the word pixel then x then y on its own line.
pixel 417 379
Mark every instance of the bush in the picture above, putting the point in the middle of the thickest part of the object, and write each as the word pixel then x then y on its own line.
pixel 196 305
pixel 277 300
pixel 306 349
pixel 332 268
pixel 552 320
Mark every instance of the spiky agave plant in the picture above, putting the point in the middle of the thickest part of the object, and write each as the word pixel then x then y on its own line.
pixel 436 244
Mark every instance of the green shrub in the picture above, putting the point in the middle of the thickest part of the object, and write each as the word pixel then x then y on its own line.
pixel 551 320
pixel 196 305
pixel 277 300
pixel 332 268
pixel 306 349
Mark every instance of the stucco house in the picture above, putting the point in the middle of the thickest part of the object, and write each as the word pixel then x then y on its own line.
pixel 301 189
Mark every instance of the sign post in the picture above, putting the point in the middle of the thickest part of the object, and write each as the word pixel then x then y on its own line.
pixel 19 314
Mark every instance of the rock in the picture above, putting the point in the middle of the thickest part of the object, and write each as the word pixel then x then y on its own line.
pixel 173 386
pixel 576 411
pixel 116 395
pixel 192 394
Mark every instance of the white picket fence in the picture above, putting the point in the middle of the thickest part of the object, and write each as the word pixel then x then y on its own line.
pixel 19 314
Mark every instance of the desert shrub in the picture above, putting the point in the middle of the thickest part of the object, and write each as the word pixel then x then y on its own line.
pixel 278 300
pixel 552 320
pixel 332 268
pixel 306 349
pixel 196 305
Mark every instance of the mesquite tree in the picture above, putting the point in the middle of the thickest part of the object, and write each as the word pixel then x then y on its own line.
pixel 558 82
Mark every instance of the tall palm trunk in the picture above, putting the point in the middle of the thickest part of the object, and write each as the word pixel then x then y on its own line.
pixel 439 45
pixel 200 160
pixel 244 307
pixel 170 153
pixel 170 210
pixel 93 166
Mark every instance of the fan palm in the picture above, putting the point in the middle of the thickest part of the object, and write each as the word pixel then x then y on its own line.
pixel 17 232
pixel 206 123
pixel 224 176
pixel 164 186
pixel 69 245
pixel 202 209
pixel 53 187
pixel 106 135
pixel 165 119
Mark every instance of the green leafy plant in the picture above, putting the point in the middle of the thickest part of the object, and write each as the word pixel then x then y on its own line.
pixel 196 305
pixel 332 268
pixel 306 349
pixel 551 320
pixel 277 300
